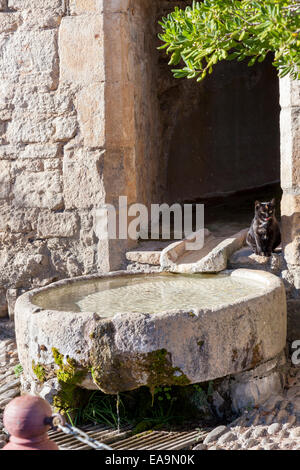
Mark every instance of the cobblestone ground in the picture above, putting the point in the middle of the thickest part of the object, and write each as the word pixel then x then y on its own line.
pixel 274 425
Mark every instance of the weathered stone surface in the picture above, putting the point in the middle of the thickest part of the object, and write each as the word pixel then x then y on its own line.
pixel 9 22
pixel 81 50
pixel 129 338
pixel 41 190
pixel 290 147
pixel 147 253
pixel 290 210
pixel 245 258
pixel 227 437
pixel 5 183
pixel 215 434
pixel 91 114
pixel 17 220
pixel 212 257
pixel 144 257
pixel 274 428
pixel 65 128
pixel 200 447
pixel 25 130
pixel 40 151
pixel 3 5
pixel 82 176
pixel 35 4
pixel 32 53
pixel 289 92
pixel 255 387
pixel 51 225
pixel 78 7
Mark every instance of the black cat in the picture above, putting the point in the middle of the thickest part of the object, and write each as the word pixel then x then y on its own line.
pixel 264 234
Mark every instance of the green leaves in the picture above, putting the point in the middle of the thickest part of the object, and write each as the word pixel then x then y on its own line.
pixel 214 30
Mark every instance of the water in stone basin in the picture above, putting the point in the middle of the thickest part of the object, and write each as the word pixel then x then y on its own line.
pixel 148 294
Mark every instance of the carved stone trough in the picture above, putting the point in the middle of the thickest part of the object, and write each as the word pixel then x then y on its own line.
pixel 198 341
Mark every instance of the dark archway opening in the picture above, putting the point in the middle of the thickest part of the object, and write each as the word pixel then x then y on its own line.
pixel 222 142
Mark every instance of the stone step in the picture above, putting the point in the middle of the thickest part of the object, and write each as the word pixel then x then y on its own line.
pixel 147 252
pixel 212 257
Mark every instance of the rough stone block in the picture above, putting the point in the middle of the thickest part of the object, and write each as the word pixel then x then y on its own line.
pixel 78 7
pixel 17 220
pixel 36 4
pixel 290 221
pixel 290 147
pixel 91 115
pixel 4 179
pixel 81 49
pixel 119 61
pixel 30 54
pixel 27 130
pixel 37 100
pixel 120 119
pixel 289 92
pixel 52 225
pixel 53 164
pixel 9 22
pixel 38 190
pixel 65 128
pixel 40 151
pixel 254 387
pixel 82 176
pixel 46 19
pixel 20 166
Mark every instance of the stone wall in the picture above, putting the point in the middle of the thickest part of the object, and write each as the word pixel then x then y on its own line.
pixel 57 149
pixel 290 203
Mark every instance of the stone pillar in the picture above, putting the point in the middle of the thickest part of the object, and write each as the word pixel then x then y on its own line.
pixel 95 62
pixel 290 182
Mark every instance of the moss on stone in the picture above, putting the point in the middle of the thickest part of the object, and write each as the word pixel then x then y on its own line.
pixel 114 373
pixel 69 375
pixel 39 371
pixel 161 372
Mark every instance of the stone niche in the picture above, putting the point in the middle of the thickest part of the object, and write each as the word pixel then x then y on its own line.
pixel 89 111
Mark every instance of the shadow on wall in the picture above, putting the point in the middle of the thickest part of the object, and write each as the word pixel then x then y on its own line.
pixel 225 134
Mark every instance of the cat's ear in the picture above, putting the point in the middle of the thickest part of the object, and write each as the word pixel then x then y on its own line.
pixel 257 204
pixel 273 202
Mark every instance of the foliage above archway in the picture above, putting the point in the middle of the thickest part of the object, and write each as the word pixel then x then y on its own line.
pixel 201 35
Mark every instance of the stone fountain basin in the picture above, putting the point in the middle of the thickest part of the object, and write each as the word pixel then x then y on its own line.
pixel 177 347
